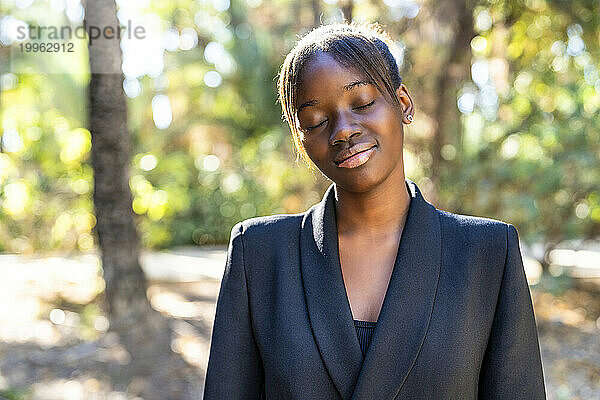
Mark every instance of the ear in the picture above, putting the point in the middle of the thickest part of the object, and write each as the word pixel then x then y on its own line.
pixel 406 102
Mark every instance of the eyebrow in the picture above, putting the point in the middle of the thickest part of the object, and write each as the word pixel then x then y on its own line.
pixel 346 88
pixel 356 83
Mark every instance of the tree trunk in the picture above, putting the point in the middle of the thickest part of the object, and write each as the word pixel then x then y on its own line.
pixel 316 9
pixel 142 331
pixel 455 69
pixel 347 9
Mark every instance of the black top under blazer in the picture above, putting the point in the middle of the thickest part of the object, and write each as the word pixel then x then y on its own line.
pixel 456 322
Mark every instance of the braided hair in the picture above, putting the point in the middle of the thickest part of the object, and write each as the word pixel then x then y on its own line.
pixel 362 47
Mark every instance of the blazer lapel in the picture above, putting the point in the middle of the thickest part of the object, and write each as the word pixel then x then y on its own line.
pixel 328 307
pixel 406 311
pixel 408 304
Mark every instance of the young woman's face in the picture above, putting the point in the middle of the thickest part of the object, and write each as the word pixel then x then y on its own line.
pixel 339 114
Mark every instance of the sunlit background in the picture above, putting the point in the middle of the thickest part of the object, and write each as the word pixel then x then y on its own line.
pixel 506 126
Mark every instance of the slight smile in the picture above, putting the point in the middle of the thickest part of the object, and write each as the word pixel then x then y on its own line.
pixel 358 159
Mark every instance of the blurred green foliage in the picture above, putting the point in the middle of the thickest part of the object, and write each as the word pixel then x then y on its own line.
pixel 15 394
pixel 527 148
pixel 534 162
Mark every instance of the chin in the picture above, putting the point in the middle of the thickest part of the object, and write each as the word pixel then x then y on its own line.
pixel 365 178
pixel 356 180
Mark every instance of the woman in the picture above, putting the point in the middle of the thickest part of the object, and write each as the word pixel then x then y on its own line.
pixel 372 293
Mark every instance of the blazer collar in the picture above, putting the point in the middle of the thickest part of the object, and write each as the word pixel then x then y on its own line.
pixel 406 311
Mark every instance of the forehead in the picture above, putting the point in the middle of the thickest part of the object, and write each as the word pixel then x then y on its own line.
pixel 323 74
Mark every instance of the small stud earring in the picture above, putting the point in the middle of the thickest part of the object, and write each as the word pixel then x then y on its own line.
pixel 409 118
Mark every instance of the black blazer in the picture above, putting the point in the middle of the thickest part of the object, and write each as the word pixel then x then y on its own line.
pixel 457 320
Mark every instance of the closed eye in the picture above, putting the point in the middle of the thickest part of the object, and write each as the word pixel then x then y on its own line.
pixel 365 106
pixel 310 128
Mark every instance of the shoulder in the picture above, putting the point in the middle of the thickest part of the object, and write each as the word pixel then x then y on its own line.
pixel 270 226
pixel 268 241
pixel 470 229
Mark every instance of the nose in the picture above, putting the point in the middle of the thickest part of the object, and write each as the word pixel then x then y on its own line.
pixel 345 127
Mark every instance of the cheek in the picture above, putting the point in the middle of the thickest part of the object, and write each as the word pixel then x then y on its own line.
pixel 387 123
pixel 316 147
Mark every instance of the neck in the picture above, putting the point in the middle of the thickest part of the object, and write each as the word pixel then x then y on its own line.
pixel 379 212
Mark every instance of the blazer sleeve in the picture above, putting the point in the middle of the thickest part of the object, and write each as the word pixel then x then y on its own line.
pixel 234 366
pixel 512 367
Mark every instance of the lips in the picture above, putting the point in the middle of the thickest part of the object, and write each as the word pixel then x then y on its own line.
pixel 347 153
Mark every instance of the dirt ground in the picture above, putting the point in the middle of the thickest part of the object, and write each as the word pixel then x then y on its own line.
pixel 568 320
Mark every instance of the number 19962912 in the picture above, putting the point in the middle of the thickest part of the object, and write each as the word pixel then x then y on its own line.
pixel 47 47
